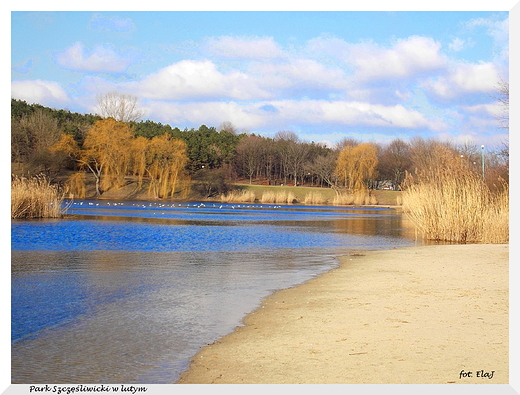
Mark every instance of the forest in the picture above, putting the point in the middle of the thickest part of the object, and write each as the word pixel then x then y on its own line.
pixel 170 161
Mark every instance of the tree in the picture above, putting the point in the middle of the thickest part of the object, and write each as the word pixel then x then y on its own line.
pixel 138 154
pixel 249 155
pixel 323 166
pixel 345 142
pixel 356 166
pixel 210 182
pixel 284 139
pixel 111 152
pixel 120 106
pixel 20 142
pixel 65 151
pixel 395 161
pixel 227 126
pixel 31 138
pixel 106 153
pixel 165 162
pixel 297 152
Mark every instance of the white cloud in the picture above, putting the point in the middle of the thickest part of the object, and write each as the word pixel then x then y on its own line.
pixel 202 80
pixel 99 59
pixel 492 109
pixel 208 113
pixel 284 113
pixel 407 58
pixel 42 92
pixel 328 85
pixel 242 48
pixel 475 77
pixel 299 74
pixel 464 78
pixel 190 79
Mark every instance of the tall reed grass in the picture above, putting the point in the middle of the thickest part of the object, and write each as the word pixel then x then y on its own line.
pixel 314 198
pixel 34 198
pixel 238 197
pixel 359 198
pixel 278 197
pixel 456 205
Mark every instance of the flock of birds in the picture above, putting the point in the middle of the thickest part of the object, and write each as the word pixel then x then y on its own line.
pixel 157 205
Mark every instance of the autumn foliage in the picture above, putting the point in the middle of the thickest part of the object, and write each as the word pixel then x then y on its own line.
pixel 356 165
pixel 111 152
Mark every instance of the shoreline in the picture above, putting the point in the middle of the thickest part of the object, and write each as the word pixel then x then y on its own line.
pixel 414 315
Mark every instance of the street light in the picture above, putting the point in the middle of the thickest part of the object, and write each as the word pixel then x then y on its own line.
pixel 482 146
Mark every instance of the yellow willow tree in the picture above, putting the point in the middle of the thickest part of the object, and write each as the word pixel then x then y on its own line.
pixel 106 153
pixel 138 153
pixel 166 159
pixel 356 165
pixel 67 148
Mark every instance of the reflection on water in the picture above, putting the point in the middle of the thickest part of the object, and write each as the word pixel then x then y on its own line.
pixel 127 293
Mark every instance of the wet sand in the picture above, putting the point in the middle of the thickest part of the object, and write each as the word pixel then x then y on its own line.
pixel 420 315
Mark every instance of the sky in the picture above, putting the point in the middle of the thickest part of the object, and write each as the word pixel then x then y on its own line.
pixel 325 75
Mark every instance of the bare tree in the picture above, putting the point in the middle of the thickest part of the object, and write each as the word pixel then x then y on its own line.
pixel 297 152
pixel 344 142
pixel 227 126
pixel 249 155
pixel 283 140
pixel 323 166
pixel 120 106
pixel 395 161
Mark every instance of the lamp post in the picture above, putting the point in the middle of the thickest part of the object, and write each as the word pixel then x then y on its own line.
pixel 482 146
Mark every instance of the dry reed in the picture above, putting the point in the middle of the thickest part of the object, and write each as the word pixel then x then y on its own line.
pixel 34 198
pixel 457 206
pixel 314 198
pixel 358 198
pixel 238 197
pixel 278 197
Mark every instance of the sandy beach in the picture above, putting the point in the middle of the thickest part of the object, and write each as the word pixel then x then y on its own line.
pixel 420 315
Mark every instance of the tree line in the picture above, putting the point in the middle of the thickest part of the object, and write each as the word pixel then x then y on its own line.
pixel 51 141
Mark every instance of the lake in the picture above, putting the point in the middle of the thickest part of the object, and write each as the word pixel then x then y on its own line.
pixel 128 292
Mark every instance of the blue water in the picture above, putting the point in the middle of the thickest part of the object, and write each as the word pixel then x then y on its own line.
pixel 166 227
pixel 129 291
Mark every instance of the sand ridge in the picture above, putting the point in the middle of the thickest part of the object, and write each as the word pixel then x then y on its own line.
pixel 418 315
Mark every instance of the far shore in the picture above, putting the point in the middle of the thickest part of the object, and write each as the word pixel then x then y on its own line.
pixel 418 315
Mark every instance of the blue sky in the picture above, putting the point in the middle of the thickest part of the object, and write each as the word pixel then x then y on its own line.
pixel 324 75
